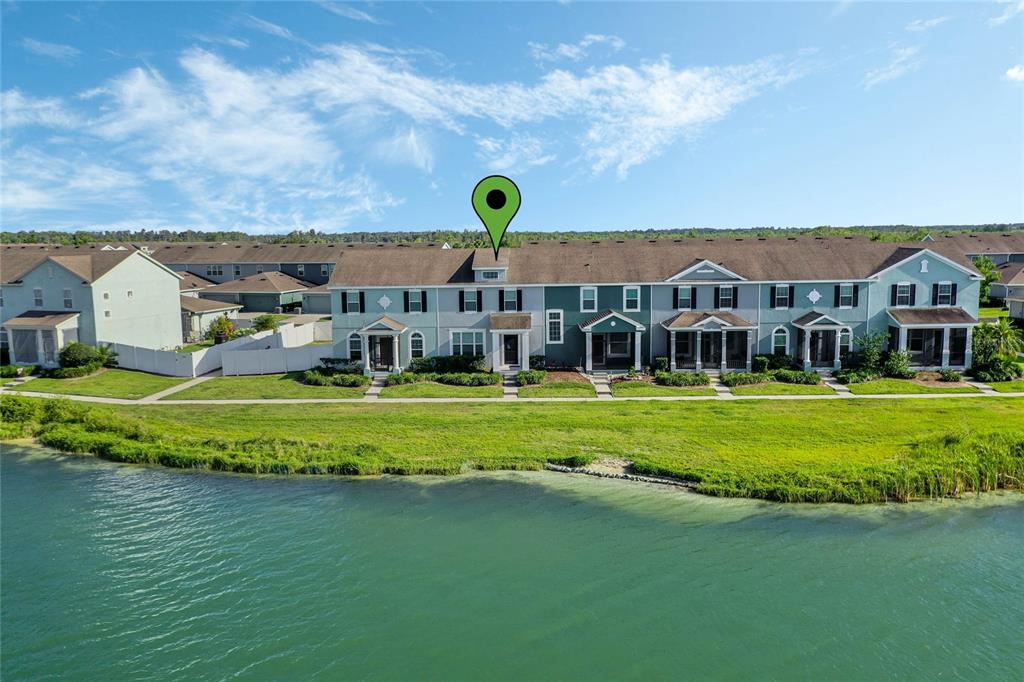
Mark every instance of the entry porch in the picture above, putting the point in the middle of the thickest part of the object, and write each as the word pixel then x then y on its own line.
pixel 381 346
pixel 613 341
pixel 821 341
pixel 935 337
pixel 510 341
pixel 35 337
pixel 701 341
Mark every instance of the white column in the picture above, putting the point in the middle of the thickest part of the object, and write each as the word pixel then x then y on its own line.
pixel 396 361
pixel 39 347
pixel 590 352
pixel 495 351
pixel 364 343
pixel 697 359
pixel 970 351
pixel 750 349
pixel 945 346
pixel 723 363
pixel 835 358
pixel 637 355
pixel 807 349
pixel 524 350
pixel 672 351
pixel 903 339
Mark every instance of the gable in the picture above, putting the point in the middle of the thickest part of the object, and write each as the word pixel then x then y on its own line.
pixel 704 270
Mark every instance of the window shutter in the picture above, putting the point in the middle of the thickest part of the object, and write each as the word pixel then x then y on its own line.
pixel 423 300
pixel 344 302
pixel 913 294
pixel 675 297
pixel 519 300
pixel 479 300
pixel 717 297
pixel 792 295
pixel 836 304
pixel 362 301
pixel 405 299
pixel 935 294
pixel 501 300
pixel 771 296
pixel 892 296
pixel 952 295
pixel 462 301
pixel 856 295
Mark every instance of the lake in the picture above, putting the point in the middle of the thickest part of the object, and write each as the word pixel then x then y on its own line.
pixel 117 572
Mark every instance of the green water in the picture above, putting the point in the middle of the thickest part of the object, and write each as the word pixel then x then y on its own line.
pixel 114 572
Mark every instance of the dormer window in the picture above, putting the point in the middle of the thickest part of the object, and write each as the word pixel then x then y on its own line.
pixel 489 274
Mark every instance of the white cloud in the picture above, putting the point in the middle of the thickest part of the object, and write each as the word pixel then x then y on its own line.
pixel 36 180
pixel 1011 9
pixel 1015 73
pixel 409 148
pixel 349 12
pixel 918 25
pixel 542 52
pixel 903 61
pixel 222 40
pixel 512 155
pixel 270 28
pixel 62 53
pixel 20 110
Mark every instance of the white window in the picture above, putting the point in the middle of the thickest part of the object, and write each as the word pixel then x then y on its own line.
pixel 415 301
pixel 618 345
pixel 588 300
pixel 945 294
pixel 631 298
pixel 355 347
pixel 302 270
pixel 130 293
pixel 106 295
pixel 37 297
pixel 214 270
pixel 470 302
pixel 725 297
pixel 68 302
pixel 781 296
pixel 684 298
pixel 554 326
pixel 845 340
pixel 511 297
pixel 324 270
pixel 903 293
pixel 780 341
pixel 845 295
pixel 467 343
pixel 238 270
pixel 490 274
pixel 106 313
pixel 416 345
pixel 352 302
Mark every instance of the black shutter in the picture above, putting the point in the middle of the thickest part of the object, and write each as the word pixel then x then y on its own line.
pixel 935 294
pixel 913 294
pixel 462 301
pixel 771 296
pixel 717 298
pixel 856 295
pixel 892 296
pixel 344 301
pixel 423 300
pixel 836 303
pixel 405 299
pixel 675 297
pixel 501 300
pixel 362 301
pixel 952 295
pixel 519 300
pixel 792 295
pixel 479 300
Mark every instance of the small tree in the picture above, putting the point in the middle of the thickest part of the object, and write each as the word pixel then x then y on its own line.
pixel 870 357
pixel 78 354
pixel 222 325
pixel 265 323
pixel 987 267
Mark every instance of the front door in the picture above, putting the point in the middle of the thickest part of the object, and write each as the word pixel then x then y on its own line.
pixel 711 349
pixel 384 357
pixel 823 348
pixel 510 349
pixel 597 349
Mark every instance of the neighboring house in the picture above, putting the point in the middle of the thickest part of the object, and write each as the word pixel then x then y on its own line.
pixel 1011 281
pixel 197 314
pixel 317 300
pixel 703 304
pixel 53 295
pixel 192 284
pixel 1001 247
pixel 1016 307
pixel 268 292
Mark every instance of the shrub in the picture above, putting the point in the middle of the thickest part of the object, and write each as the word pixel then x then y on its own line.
pixel 660 364
pixel 760 363
pixel 340 366
pixel 315 377
pixel 446 364
pixel 265 323
pixel 78 354
pixel 74 372
pixel 897 365
pixel 731 379
pixel 1000 369
pixel 221 326
pixel 533 376
pixel 782 361
pixel 792 376
pixel 948 374
pixel 63 411
pixel 682 378
pixel 854 376
pixel 16 408
pixel 536 362
pixel 404 378
pixel 8 371
pixel 468 379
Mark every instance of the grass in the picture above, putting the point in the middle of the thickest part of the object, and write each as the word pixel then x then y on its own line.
pixel 6 380
pixel 429 389
pixel 558 389
pixel 106 383
pixel 628 389
pixel 263 386
pixel 846 451
pixel 193 347
pixel 903 386
pixel 778 388
pixel 1008 386
pixel 993 312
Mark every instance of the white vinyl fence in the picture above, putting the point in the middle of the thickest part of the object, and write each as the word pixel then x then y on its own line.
pixel 285 351
pixel 171 363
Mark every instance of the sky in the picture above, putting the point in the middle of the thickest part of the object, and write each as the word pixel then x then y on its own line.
pixel 271 117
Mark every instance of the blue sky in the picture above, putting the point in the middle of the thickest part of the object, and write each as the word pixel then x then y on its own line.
pixel 268 117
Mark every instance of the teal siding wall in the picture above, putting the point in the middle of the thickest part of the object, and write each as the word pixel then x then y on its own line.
pixel 609 297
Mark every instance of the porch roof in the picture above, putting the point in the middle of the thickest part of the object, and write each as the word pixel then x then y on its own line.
pixel 192 304
pixel 697 319
pixel 928 317
pixel 383 325
pixel 511 321
pixel 39 319
pixel 816 320
pixel 609 316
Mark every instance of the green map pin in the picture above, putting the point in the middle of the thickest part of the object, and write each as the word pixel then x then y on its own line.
pixel 496 201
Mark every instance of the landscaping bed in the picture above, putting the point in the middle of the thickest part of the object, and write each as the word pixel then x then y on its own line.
pixel 908 386
pixel 645 388
pixel 775 388
pixel 104 383
pixel 560 385
pixel 266 386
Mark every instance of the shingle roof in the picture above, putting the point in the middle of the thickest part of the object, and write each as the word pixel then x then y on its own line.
pixel 1011 273
pixel 982 242
pixel 191 282
pixel 940 316
pixel 193 304
pixel 605 314
pixel 40 318
pixel 268 282
pixel 256 252
pixel 88 262
pixel 695 318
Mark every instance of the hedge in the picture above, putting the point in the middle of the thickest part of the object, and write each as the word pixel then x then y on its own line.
pixel 449 378
pixel 531 376
pixel 682 378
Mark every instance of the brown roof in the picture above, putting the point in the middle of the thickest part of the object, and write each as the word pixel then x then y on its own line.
pixel 256 252
pixel 387 322
pixel 695 318
pixel 581 262
pixel 40 318
pixel 485 258
pixel 191 282
pixel 88 262
pixel 322 289
pixel 511 320
pixel 192 304
pixel 982 242
pixel 918 316
pixel 268 282
pixel 1011 273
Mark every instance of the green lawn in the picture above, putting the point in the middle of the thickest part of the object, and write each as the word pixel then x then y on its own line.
pixel 107 383
pixel 1008 386
pixel 629 389
pixel 558 389
pixel 429 389
pixel 993 312
pixel 849 450
pixel 263 386
pixel 778 388
pixel 6 380
pixel 193 347
pixel 898 386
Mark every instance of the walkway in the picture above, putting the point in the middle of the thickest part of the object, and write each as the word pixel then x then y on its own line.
pixel 180 387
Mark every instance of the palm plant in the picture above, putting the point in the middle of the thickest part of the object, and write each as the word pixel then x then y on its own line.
pixel 1006 337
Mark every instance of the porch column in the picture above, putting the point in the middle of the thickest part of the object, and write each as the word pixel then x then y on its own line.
pixel 945 347
pixel 835 358
pixel 589 367
pixel 637 357
pixel 524 350
pixel 750 349
pixel 39 347
pixel 364 344
pixel 725 359
pixel 495 352
pixel 969 352
pixel 807 349
pixel 672 351
pixel 697 360
pixel 903 339
pixel 396 361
